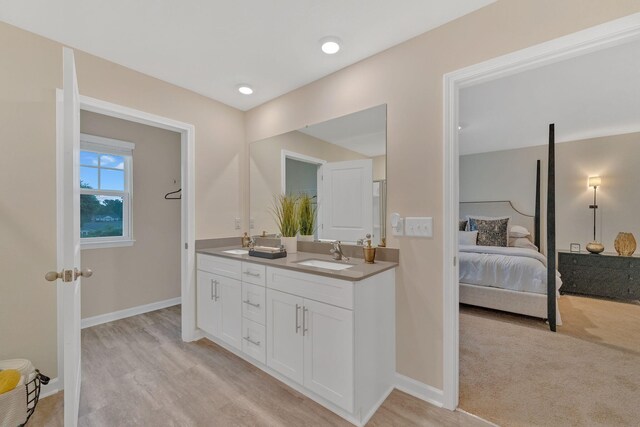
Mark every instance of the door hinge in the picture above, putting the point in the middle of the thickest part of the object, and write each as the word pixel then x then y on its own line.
pixel 455 260
pixel 186 246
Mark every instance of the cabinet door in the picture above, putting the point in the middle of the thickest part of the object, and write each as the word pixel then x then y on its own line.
pixel 230 300
pixel 328 352
pixel 207 307
pixel 284 334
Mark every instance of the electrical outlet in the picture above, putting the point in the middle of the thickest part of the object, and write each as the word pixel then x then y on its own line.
pixel 251 223
pixel 237 223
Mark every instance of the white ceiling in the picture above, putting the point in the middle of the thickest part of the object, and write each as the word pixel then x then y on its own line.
pixel 211 46
pixel 588 96
pixel 364 132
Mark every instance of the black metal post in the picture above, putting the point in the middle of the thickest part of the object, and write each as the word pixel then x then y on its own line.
pixel 551 232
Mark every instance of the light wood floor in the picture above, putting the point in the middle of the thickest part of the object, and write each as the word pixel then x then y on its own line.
pixel 137 371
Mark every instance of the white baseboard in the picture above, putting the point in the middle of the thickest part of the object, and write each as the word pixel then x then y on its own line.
pixel 52 388
pixel 420 390
pixel 133 311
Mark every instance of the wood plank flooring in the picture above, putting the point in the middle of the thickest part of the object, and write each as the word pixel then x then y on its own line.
pixel 138 372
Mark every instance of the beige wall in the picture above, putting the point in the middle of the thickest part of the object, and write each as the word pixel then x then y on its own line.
pixel 148 271
pixel 408 78
pixel 266 171
pixel 30 71
pixel 379 167
pixel 614 158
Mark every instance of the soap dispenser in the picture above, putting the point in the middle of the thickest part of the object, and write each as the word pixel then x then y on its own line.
pixel 369 251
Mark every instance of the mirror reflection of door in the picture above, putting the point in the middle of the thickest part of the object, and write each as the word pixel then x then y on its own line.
pixel 346 200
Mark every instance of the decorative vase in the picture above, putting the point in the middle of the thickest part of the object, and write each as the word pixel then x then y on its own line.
pixel 290 244
pixel 595 247
pixel 625 244
pixel 306 238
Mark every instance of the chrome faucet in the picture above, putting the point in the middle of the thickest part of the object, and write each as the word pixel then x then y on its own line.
pixel 336 251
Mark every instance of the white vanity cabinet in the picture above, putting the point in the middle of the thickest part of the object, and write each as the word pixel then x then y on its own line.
pixel 331 339
pixel 309 341
pixel 218 309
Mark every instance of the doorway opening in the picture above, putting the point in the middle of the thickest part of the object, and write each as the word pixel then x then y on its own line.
pixel 186 179
pixel 578 45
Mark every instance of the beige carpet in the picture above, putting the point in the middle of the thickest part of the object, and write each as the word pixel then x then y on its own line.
pixel 514 372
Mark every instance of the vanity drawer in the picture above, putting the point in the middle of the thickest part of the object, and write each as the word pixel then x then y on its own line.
pixel 254 273
pixel 218 265
pixel 254 302
pixel 254 340
pixel 319 288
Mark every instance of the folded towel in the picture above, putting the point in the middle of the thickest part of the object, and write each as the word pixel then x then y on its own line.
pixel 9 380
pixel 268 249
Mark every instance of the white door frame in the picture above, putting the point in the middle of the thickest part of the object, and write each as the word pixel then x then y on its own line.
pixel 187 144
pixel 602 36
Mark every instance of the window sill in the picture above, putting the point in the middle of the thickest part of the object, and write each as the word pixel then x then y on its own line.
pixel 106 244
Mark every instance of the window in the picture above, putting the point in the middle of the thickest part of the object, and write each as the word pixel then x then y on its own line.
pixel 105 192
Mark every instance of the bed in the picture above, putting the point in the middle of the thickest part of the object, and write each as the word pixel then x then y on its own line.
pixel 512 279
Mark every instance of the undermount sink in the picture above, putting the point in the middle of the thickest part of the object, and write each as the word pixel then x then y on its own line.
pixel 327 265
pixel 236 251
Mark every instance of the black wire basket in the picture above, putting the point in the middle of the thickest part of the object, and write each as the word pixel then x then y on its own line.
pixel 33 393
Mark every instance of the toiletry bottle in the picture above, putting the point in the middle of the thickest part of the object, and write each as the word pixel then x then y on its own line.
pixel 246 240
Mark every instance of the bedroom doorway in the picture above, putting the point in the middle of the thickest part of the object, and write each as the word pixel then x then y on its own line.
pixel 607 36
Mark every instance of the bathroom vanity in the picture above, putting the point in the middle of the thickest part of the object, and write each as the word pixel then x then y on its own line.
pixel 324 327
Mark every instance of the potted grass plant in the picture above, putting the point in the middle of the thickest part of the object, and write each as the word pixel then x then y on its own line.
pixel 285 212
pixel 306 218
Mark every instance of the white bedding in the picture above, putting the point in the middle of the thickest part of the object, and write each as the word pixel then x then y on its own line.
pixel 516 269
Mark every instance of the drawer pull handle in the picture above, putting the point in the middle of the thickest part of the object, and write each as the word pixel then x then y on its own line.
pixel 252 304
pixel 252 341
pixel 216 296
pixel 212 295
pixel 250 273
pixel 297 322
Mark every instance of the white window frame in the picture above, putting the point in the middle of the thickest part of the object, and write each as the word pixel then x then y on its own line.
pixel 101 145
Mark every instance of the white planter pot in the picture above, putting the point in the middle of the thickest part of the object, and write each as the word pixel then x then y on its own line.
pixel 290 244
pixel 306 238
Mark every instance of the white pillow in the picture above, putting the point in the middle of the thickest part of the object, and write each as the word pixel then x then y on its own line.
pixel 469 238
pixel 522 242
pixel 518 231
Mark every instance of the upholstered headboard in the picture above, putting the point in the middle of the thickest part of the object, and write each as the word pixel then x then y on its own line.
pixel 498 208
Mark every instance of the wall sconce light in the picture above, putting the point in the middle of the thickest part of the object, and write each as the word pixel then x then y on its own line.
pixel 595 247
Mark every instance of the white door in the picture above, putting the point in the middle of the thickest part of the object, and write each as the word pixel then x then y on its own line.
pixel 328 352
pixel 230 298
pixel 207 312
pixel 70 209
pixel 346 200
pixel 284 334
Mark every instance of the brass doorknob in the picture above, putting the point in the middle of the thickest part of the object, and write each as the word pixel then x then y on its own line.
pixel 52 276
pixel 85 272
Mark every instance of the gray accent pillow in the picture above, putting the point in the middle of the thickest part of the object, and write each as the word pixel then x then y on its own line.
pixel 491 232
pixel 462 225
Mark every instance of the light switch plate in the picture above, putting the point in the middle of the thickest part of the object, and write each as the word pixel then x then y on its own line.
pixel 237 223
pixel 419 226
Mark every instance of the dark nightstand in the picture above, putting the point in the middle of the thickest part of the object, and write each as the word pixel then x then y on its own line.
pixel 605 275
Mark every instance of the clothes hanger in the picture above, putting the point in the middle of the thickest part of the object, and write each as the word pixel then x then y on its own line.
pixel 168 195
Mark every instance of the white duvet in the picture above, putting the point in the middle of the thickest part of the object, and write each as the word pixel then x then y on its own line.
pixel 516 269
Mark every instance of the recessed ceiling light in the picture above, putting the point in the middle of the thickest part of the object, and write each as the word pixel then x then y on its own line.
pixel 245 89
pixel 330 45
